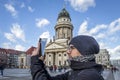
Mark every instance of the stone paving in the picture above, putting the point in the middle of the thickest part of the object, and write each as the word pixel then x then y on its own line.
pixel 16 74
pixel 108 75
pixel 24 74
pixel 15 78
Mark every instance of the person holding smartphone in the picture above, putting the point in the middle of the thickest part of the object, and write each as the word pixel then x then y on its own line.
pixel 81 60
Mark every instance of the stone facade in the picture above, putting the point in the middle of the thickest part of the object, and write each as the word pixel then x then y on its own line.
pixel 22 60
pixel 115 62
pixel 3 56
pixel 56 54
pixel 11 57
pixel 103 57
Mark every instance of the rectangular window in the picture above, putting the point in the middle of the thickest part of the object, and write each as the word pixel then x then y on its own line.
pixel 59 62
pixel 49 63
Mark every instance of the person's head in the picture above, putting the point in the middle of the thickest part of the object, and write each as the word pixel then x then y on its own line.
pixel 82 45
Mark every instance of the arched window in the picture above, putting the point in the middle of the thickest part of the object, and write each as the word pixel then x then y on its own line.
pixel 64 54
pixel 59 54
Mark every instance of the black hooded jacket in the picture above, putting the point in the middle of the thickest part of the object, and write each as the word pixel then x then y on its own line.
pixel 79 71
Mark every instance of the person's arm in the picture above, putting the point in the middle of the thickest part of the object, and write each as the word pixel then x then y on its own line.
pixel 38 70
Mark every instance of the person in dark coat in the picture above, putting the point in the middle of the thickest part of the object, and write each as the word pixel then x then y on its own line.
pixel 81 60
pixel 1 70
pixel 2 67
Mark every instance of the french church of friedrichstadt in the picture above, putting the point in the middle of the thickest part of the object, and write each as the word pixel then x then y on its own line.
pixel 55 50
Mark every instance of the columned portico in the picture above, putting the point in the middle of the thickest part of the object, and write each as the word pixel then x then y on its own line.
pixel 54 57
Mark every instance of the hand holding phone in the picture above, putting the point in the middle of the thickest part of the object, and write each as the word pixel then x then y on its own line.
pixel 40 48
pixel 42 42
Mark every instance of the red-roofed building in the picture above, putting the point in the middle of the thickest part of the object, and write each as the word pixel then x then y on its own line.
pixel 28 56
pixel 29 51
pixel 3 56
pixel 16 59
pixel 10 56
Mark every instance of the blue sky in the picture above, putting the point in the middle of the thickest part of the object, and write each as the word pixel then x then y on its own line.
pixel 22 22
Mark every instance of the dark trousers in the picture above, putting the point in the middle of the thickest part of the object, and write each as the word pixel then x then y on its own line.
pixel 1 72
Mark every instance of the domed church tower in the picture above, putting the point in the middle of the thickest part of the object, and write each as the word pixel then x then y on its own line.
pixel 63 28
pixel 55 50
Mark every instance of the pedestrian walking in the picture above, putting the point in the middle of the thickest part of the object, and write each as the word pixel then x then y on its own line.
pixel 81 60
pixel 2 67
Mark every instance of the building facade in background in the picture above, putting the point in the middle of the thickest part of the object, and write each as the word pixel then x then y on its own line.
pixel 103 58
pixel 13 58
pixel 115 62
pixel 22 60
pixel 3 56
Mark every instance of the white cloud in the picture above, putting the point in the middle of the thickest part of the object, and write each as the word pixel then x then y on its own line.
pixel 115 50
pixel 42 22
pixel 100 36
pixel 7 45
pixel 97 28
pixel 19 47
pixel 11 9
pixel 115 53
pixel 83 28
pixel 114 26
pixel 45 35
pixel 10 37
pixel 102 30
pixel 30 9
pixel 103 45
pixel 17 31
pixel 106 35
pixel 81 5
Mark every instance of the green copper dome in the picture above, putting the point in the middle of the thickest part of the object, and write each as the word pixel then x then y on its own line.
pixel 64 13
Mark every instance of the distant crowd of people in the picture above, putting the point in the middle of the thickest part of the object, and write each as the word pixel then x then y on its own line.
pixel 55 68
pixel 112 68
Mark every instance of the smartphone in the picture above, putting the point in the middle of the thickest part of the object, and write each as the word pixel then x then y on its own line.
pixel 43 42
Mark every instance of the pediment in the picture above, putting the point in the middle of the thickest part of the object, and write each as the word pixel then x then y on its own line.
pixel 54 46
